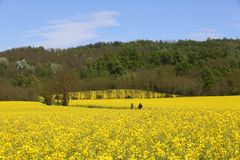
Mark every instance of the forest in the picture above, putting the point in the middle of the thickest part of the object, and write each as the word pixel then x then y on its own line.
pixel 183 67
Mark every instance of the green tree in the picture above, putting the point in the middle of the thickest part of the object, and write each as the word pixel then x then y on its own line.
pixel 208 79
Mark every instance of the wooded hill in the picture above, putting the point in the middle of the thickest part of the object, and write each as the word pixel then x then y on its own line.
pixel 187 67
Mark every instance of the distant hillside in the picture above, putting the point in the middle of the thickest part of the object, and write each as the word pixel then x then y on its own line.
pixel 188 67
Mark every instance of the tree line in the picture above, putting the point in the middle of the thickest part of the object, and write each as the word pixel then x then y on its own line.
pixel 183 67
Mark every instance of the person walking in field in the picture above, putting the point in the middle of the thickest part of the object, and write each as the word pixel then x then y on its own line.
pixel 140 106
pixel 131 106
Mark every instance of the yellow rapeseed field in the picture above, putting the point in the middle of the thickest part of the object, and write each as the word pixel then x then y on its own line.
pixel 173 128
pixel 192 102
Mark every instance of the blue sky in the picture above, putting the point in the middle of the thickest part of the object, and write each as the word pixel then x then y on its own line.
pixel 69 23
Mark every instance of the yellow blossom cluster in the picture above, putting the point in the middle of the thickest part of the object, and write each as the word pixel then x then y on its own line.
pixel 117 94
pixel 30 130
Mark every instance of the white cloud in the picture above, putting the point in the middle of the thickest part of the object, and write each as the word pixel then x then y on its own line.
pixel 75 31
pixel 204 33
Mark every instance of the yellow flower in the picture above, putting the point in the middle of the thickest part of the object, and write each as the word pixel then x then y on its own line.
pixel 173 128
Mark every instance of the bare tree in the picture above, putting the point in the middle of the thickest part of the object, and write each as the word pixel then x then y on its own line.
pixel 59 87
